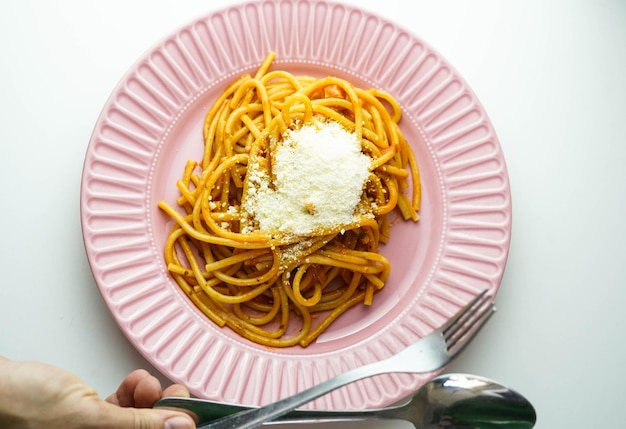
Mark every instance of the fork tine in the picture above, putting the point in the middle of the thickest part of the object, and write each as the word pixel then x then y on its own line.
pixel 472 326
pixel 465 314
pixel 454 319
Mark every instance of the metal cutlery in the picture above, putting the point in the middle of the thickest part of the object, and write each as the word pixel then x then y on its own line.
pixel 460 401
pixel 426 355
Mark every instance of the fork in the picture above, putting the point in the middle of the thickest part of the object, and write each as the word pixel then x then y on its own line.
pixel 425 355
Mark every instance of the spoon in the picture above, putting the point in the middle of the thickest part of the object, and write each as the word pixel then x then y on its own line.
pixel 457 401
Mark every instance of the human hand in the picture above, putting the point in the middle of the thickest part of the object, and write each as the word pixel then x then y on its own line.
pixel 40 396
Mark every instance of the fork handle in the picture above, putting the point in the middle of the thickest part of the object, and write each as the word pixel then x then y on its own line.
pixel 255 417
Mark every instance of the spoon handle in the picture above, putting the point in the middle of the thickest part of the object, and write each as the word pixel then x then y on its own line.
pixel 207 411
pixel 255 417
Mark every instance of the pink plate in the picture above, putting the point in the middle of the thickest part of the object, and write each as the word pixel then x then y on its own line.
pixel 151 125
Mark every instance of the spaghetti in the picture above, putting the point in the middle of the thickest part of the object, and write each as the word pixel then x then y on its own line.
pixel 267 282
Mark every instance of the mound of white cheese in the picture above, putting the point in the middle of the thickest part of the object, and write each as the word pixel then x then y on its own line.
pixel 317 178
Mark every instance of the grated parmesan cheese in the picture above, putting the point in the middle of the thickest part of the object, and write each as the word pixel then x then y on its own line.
pixel 318 177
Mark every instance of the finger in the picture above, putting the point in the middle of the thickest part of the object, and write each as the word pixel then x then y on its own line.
pixel 147 392
pixel 176 390
pixel 143 418
pixel 124 396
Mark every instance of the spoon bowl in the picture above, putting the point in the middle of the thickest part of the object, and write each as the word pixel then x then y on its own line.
pixel 460 401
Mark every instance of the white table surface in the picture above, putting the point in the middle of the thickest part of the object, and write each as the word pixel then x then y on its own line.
pixel 552 77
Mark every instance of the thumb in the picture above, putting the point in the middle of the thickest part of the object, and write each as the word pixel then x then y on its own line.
pixel 145 418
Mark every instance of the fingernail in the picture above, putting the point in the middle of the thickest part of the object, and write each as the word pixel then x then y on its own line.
pixel 178 423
